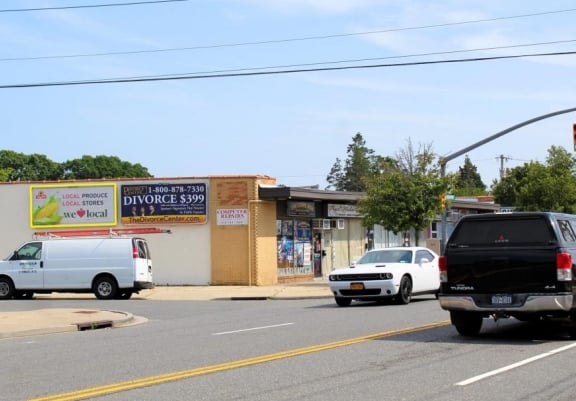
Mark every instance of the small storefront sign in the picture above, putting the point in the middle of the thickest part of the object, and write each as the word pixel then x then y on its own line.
pixel 231 217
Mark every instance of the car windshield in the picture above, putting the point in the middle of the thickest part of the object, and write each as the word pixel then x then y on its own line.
pixel 386 256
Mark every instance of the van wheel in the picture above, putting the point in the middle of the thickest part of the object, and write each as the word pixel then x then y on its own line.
pixel 466 323
pixel 6 288
pixel 105 287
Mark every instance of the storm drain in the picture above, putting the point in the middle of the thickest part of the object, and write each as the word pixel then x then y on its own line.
pixel 101 324
pixel 104 324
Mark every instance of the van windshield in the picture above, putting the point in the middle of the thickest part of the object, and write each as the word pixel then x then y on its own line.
pixel 534 231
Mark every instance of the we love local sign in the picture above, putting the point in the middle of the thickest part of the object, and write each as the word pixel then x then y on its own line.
pixel 74 205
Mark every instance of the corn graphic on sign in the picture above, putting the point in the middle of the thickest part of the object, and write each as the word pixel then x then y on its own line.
pixel 74 205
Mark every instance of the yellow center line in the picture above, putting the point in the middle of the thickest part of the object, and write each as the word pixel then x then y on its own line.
pixel 98 391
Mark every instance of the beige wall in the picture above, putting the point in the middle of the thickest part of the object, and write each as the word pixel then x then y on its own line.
pixel 242 254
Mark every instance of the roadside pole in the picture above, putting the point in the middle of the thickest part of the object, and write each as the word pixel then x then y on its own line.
pixel 444 160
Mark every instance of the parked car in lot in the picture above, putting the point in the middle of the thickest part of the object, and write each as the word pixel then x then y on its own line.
pixel 387 273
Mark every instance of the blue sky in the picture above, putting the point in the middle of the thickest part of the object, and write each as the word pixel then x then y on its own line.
pixel 290 126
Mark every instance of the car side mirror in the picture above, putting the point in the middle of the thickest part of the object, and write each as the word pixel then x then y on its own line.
pixel 424 260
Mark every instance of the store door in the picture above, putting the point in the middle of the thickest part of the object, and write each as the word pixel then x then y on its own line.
pixel 323 257
pixel 317 254
pixel 328 254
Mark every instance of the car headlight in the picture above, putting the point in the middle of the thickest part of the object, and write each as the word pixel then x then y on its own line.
pixel 386 276
pixel 333 277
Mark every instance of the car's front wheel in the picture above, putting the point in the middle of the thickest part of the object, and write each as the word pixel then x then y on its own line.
pixel 343 301
pixel 404 295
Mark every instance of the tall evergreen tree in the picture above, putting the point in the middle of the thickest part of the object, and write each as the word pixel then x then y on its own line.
pixel 468 180
pixel 352 173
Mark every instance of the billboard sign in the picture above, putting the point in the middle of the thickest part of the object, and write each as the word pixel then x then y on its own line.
pixel 164 203
pixel 72 205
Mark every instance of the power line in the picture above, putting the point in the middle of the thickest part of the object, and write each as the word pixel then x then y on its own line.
pixel 265 42
pixel 353 60
pixel 246 74
pixel 133 3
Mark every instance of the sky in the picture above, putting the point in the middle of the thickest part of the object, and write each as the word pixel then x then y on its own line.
pixel 238 111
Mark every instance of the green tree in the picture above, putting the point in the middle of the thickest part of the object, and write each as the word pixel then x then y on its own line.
pixel 468 181
pixel 537 186
pixel 5 174
pixel 406 194
pixel 34 167
pixel 102 167
pixel 360 164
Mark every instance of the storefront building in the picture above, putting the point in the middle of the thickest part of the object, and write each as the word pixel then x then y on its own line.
pixel 220 230
pixel 316 231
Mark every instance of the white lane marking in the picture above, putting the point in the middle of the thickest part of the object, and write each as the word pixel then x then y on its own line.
pixel 514 365
pixel 251 329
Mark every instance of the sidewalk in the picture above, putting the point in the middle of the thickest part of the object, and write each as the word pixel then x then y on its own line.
pixel 59 320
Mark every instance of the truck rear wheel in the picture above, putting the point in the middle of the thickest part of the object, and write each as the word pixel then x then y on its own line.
pixel 466 323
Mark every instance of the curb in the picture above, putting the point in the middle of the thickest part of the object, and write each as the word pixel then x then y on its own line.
pixel 126 319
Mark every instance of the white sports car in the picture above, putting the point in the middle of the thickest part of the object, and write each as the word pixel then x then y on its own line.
pixel 387 273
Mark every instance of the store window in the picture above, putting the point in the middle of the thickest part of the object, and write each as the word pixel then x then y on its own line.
pixel 294 247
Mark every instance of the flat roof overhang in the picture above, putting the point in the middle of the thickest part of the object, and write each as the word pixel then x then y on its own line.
pixel 306 193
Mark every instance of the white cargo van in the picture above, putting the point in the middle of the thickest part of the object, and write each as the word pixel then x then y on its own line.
pixel 110 267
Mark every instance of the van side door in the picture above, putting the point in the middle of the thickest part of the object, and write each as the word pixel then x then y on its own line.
pixel 25 266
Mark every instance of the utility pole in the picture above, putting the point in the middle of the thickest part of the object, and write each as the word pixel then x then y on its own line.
pixel 502 170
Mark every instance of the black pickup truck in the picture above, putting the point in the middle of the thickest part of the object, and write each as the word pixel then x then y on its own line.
pixel 509 265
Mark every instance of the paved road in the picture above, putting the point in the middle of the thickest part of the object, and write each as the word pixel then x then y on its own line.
pixel 295 349
pixel 47 316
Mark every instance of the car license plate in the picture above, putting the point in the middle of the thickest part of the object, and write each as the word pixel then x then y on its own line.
pixel 501 299
pixel 356 286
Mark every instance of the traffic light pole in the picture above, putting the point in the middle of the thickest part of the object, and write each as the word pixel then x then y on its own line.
pixel 444 160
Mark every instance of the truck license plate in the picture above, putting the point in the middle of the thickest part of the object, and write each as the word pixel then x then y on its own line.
pixel 356 286
pixel 501 299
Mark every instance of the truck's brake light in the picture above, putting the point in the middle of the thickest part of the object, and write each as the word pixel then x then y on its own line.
pixel 443 268
pixel 563 266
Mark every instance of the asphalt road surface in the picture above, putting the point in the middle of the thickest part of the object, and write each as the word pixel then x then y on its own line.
pixel 286 350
